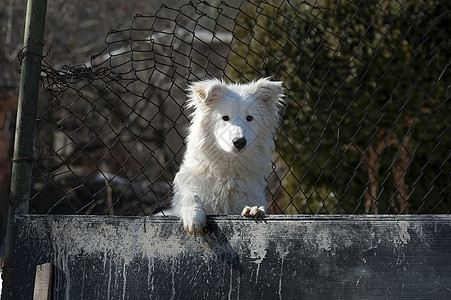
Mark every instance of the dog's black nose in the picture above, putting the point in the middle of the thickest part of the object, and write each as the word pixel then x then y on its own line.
pixel 239 143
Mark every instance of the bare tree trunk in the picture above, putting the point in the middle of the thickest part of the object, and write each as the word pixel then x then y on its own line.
pixel 372 167
pixel 399 170
pixel 371 159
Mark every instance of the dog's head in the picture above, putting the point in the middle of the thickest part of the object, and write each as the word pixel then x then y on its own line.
pixel 236 115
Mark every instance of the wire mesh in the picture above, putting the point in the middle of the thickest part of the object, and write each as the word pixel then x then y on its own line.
pixel 366 127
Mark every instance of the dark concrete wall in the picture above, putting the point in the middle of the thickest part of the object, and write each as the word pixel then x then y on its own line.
pixel 280 257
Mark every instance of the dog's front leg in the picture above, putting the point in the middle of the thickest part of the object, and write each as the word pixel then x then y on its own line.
pixel 254 202
pixel 192 214
pixel 254 211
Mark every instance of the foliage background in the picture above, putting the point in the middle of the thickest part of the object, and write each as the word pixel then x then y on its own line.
pixel 366 128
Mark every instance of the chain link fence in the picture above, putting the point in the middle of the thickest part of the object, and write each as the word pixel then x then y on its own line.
pixel 366 128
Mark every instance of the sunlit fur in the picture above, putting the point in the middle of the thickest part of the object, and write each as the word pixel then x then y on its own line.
pixel 216 177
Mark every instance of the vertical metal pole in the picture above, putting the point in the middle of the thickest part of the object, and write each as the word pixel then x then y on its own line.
pixel 25 130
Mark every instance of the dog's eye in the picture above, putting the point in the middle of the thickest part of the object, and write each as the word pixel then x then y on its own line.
pixel 249 118
pixel 226 118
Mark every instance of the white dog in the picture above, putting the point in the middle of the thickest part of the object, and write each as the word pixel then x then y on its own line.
pixel 228 151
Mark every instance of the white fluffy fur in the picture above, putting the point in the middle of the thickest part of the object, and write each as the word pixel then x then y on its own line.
pixel 215 176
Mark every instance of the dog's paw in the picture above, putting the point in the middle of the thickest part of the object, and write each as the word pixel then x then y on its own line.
pixel 194 221
pixel 254 212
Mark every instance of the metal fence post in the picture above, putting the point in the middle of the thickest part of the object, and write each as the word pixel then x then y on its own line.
pixel 25 129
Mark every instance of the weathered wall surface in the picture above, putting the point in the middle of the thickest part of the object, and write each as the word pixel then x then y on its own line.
pixel 280 257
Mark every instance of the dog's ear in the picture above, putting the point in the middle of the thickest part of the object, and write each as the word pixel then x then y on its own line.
pixel 206 92
pixel 268 91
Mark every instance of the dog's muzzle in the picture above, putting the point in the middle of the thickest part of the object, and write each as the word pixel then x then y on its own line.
pixel 239 143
